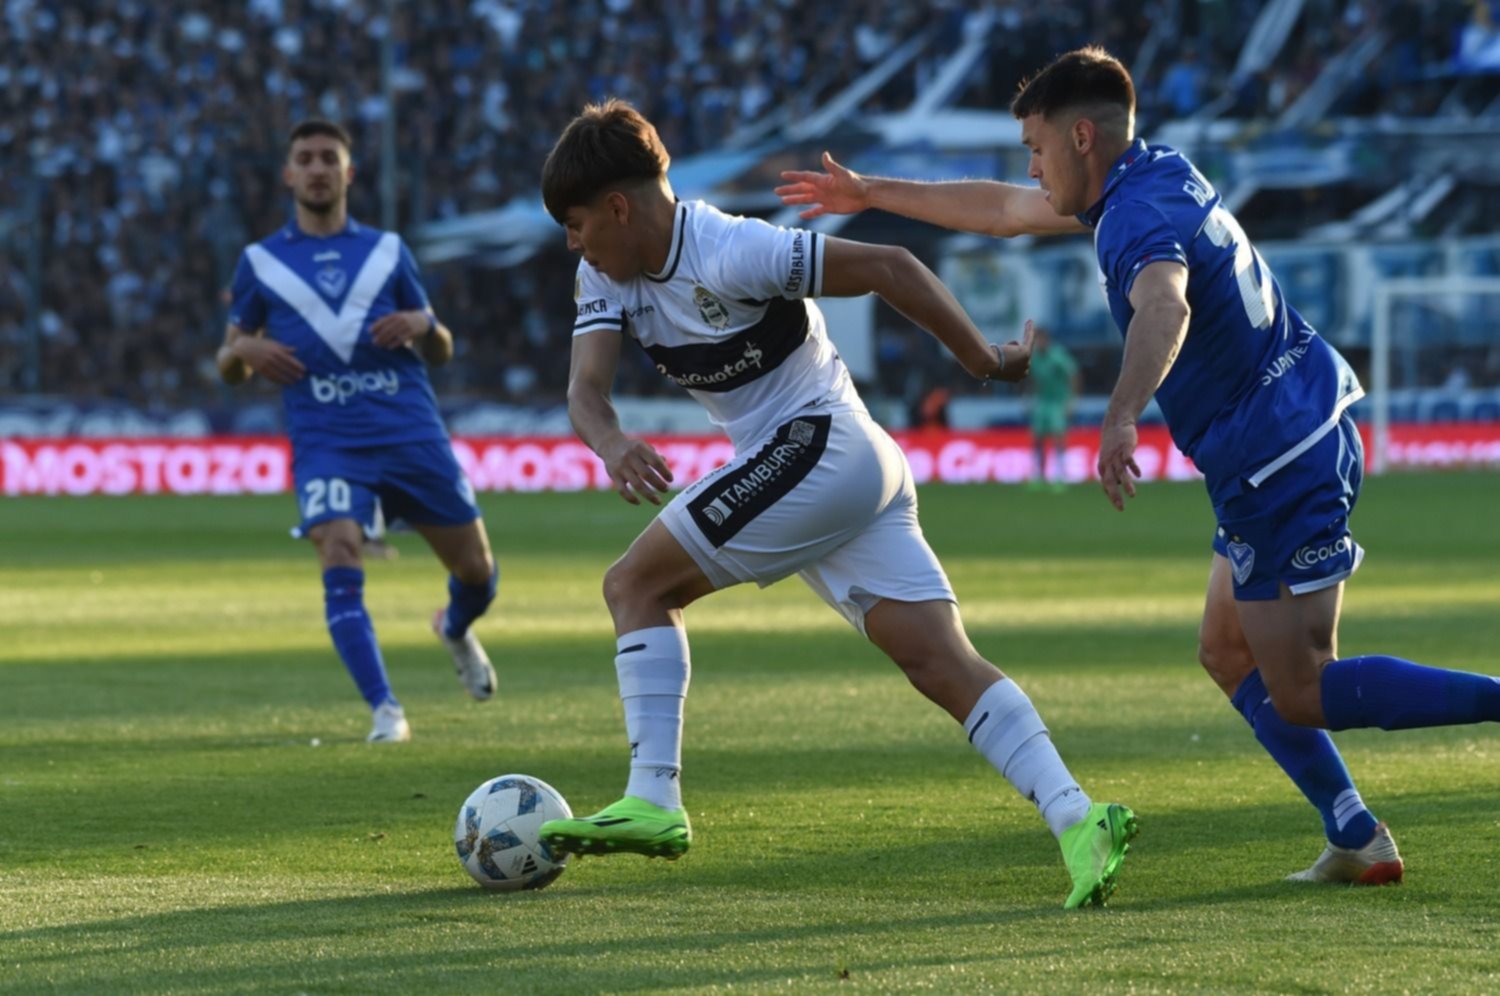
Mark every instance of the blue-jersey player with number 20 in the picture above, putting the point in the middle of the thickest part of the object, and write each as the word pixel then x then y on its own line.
pixel 334 312
pixel 1249 391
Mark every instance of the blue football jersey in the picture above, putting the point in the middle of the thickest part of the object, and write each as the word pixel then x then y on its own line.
pixel 320 295
pixel 1254 384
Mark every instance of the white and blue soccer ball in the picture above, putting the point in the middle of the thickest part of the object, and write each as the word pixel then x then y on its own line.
pixel 496 836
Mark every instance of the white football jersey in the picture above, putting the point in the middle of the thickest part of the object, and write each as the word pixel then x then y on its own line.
pixel 730 319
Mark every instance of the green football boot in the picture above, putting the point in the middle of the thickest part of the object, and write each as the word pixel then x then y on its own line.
pixel 632 825
pixel 1094 849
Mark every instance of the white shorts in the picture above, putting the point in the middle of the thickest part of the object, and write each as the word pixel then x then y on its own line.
pixel 826 496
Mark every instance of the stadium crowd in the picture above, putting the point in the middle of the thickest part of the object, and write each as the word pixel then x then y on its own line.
pixel 140 144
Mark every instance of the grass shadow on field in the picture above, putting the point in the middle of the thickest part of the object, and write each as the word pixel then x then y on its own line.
pixel 591 950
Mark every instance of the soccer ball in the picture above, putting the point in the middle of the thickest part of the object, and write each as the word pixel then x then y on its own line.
pixel 496 835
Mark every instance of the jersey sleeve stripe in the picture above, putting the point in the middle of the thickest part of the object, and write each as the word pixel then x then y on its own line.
pixel 613 321
pixel 1146 260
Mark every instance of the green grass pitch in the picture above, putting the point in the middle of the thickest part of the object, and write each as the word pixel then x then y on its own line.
pixel 167 824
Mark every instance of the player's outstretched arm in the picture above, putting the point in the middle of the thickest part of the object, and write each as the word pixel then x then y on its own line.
pixel 634 466
pixel 906 284
pixel 245 353
pixel 1155 336
pixel 986 207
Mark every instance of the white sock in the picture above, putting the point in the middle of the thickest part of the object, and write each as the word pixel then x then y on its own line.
pixel 1004 726
pixel 653 666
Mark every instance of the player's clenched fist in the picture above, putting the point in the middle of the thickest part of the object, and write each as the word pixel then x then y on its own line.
pixel 637 470
pixel 1014 358
pixel 838 191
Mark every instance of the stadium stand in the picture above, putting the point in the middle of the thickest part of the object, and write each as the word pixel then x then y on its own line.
pixel 140 146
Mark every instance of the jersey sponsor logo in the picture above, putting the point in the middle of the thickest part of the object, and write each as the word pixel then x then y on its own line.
pixel 711 308
pixel 735 497
pixel 327 390
pixel 739 359
pixel 332 280
pixel 324 257
pixel 598 306
pixel 1241 559
pixel 1309 557
pixel 748 360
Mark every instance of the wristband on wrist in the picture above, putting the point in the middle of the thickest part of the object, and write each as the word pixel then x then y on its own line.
pixel 999 355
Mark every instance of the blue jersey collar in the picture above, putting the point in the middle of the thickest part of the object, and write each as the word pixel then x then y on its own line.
pixel 1131 158
pixel 291 233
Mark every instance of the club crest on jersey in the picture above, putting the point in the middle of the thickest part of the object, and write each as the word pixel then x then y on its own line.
pixel 711 308
pixel 1241 559
pixel 332 281
pixel 801 432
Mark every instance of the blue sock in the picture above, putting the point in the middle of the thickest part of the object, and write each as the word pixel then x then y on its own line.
pixel 1310 759
pixel 1394 694
pixel 467 602
pixel 353 633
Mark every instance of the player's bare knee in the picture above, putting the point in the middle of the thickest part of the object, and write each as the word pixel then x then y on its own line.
pixel 927 668
pixel 338 550
pixel 924 671
pixel 1227 662
pixel 1300 704
pixel 627 588
pixel 475 568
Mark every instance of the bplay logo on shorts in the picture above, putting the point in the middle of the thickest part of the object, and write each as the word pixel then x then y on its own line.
pixel 327 390
pixel 1309 557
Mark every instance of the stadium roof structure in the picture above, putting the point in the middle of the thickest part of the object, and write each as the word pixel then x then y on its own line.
pixel 1382 175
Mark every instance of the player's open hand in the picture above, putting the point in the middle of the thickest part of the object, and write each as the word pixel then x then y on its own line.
pixel 1015 357
pixel 1117 442
pixel 638 471
pixel 838 191
pixel 399 328
pixel 275 361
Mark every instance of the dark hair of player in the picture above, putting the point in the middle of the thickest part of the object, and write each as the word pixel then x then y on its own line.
pixel 607 145
pixel 1081 78
pixel 318 126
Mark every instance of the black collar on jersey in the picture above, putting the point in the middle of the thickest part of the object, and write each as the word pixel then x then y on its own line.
pixel 291 232
pixel 674 252
pixel 1133 155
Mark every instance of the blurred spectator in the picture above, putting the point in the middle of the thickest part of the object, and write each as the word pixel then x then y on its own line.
pixel 140 142
pixel 151 137
pixel 1184 84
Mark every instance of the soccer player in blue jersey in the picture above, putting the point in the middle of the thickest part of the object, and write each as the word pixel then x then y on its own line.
pixel 335 312
pixel 1249 391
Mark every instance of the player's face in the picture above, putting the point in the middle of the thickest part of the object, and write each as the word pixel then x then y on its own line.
pixel 1056 165
pixel 599 232
pixel 318 172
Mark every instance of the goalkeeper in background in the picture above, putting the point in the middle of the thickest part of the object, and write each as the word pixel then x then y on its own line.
pixel 1054 385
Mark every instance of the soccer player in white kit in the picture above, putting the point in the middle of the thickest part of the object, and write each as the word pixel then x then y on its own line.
pixel 723 307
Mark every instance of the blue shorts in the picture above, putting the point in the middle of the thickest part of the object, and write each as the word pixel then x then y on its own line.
pixel 1294 528
pixel 417 483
